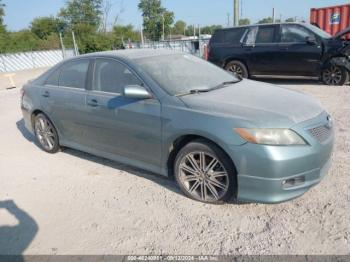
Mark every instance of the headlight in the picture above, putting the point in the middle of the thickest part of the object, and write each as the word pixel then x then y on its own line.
pixel 270 136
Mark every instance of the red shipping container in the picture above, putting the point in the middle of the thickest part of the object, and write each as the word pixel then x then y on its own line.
pixel 331 19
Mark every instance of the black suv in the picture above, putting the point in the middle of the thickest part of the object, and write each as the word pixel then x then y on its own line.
pixel 286 50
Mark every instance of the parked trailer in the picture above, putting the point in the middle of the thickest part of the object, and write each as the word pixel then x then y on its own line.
pixel 332 19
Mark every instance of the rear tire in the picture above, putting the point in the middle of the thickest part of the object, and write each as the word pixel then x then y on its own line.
pixel 335 75
pixel 205 173
pixel 237 68
pixel 46 134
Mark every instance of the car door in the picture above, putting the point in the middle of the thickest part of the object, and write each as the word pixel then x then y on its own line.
pixel 260 45
pixel 125 127
pixel 63 99
pixel 300 51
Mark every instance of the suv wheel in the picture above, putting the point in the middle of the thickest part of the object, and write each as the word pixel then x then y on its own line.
pixel 237 68
pixel 335 75
pixel 204 172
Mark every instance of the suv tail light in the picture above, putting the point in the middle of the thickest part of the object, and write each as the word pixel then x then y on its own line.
pixel 206 52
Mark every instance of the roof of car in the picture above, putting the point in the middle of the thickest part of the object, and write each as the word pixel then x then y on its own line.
pixel 243 26
pixel 134 53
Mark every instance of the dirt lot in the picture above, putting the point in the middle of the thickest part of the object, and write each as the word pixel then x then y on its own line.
pixel 75 203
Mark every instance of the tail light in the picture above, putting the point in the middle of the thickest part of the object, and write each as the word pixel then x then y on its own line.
pixel 206 52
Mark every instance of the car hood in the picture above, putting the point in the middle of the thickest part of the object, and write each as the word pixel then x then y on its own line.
pixel 342 33
pixel 256 104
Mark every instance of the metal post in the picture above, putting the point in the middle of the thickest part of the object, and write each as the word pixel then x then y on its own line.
pixel 236 13
pixel 62 46
pixel 163 27
pixel 199 41
pixel 142 41
pixel 76 50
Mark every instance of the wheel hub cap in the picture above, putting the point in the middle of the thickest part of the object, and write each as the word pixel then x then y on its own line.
pixel 203 176
pixel 44 132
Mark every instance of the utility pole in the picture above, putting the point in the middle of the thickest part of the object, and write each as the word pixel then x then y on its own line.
pixel 76 50
pixel 163 28
pixel 62 45
pixel 228 20
pixel 142 40
pixel 235 12
pixel 273 15
pixel 194 30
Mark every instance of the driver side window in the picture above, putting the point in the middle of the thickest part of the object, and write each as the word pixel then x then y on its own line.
pixel 111 76
pixel 294 34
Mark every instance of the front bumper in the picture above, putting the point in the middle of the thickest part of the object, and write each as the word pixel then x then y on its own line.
pixel 264 170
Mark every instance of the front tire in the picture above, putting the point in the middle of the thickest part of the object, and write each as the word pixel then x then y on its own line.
pixel 335 75
pixel 46 134
pixel 205 173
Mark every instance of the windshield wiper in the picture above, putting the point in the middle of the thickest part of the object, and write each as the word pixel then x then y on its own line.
pixel 194 91
pixel 206 90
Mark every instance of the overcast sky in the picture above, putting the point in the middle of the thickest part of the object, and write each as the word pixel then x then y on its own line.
pixel 19 13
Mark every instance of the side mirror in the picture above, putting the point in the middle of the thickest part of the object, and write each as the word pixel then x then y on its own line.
pixel 311 40
pixel 136 92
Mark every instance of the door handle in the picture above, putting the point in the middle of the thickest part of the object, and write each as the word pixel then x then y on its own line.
pixel 46 94
pixel 93 103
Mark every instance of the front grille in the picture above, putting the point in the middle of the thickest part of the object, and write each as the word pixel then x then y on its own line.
pixel 321 133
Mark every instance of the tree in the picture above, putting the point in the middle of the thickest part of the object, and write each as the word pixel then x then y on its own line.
pixel 244 21
pixel 179 27
pixel 209 30
pixel 107 8
pixel 2 14
pixel 42 27
pixel 266 20
pixel 88 12
pixel 154 17
pixel 290 19
pixel 126 33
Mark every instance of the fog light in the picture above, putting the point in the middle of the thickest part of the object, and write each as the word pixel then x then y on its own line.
pixel 293 182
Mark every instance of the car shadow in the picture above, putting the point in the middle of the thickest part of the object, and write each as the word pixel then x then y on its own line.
pixel 25 132
pixel 167 182
pixel 287 82
pixel 15 239
pixel 294 82
pixel 163 181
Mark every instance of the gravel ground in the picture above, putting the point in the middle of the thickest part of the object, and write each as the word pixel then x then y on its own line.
pixel 75 203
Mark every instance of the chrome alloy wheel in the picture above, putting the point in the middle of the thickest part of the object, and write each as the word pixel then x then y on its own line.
pixel 203 176
pixel 45 134
pixel 332 75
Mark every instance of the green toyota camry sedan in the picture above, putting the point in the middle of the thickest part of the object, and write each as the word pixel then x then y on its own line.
pixel 220 137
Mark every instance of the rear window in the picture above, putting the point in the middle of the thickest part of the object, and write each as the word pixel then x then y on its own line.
pixel 232 36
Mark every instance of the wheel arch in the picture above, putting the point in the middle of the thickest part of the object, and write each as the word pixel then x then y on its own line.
pixel 39 111
pixel 239 59
pixel 182 141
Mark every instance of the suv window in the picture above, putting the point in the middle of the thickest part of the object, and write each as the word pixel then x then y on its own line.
pixel 232 36
pixel 73 74
pixel 111 76
pixel 294 34
pixel 265 35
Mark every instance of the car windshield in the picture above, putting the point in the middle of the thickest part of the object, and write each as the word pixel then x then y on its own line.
pixel 318 31
pixel 182 73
